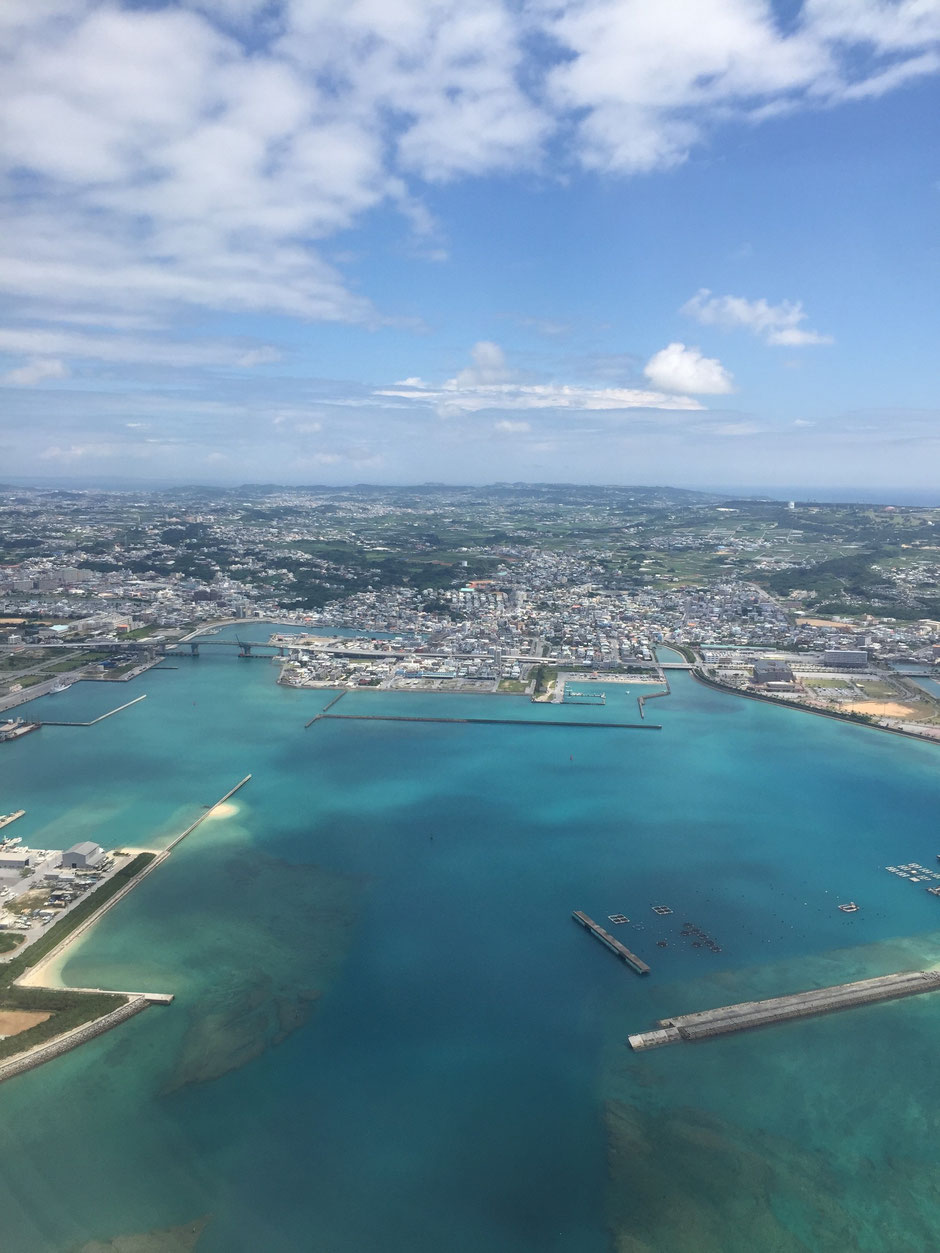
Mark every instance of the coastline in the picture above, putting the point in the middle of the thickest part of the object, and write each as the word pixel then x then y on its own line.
pixel 809 709
pixel 46 974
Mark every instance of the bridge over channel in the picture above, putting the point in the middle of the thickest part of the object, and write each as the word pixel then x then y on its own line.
pixel 245 647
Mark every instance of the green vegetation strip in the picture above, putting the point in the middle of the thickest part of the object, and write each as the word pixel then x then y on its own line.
pixel 68 1009
pixel 544 675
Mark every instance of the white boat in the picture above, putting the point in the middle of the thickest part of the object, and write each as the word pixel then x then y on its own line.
pixel 59 687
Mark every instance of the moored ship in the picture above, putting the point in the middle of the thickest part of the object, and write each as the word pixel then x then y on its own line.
pixel 16 727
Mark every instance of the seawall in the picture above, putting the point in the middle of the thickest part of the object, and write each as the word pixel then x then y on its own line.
pixel 34 1057
pixel 747 1015
pixel 808 709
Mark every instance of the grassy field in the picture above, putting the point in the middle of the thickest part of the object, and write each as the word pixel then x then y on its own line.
pixel 27 660
pixel 874 689
pixel 141 633
pixel 26 680
pixel 512 685
pixel 73 663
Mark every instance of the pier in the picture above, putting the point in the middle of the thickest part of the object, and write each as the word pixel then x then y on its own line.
pixel 30 976
pixel 100 718
pixel 747 1015
pixel 493 722
pixel 6 819
pixel 40 1053
pixel 641 700
pixel 573 697
pixel 323 711
pixel 621 950
pixel 134 1003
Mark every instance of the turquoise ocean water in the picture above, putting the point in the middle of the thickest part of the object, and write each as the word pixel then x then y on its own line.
pixel 389 1034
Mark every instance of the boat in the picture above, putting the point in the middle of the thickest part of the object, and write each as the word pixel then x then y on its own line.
pixel 16 727
pixel 849 908
pixel 59 687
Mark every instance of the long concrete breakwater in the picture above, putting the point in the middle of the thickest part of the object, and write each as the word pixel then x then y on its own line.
pixel 135 1001
pixel 493 722
pixel 621 950
pixel 641 700
pixel 329 705
pixel 32 976
pixel 101 717
pixel 747 1015
pixel 202 817
pixel 34 1057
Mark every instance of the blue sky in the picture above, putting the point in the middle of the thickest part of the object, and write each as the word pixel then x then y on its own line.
pixel 694 241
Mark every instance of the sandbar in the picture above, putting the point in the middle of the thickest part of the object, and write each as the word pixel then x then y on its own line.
pixel 226 809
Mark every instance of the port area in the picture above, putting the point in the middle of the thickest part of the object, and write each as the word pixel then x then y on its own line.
pixel 46 722
pixel 747 1015
pixel 43 1020
pixel 16 728
pixel 36 890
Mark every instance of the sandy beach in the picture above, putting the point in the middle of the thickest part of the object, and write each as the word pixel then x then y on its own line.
pixel 47 973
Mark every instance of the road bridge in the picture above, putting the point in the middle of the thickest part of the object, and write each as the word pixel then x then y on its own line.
pixel 245 647
pixel 122 646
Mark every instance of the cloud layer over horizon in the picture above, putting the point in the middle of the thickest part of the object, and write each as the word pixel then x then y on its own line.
pixel 185 183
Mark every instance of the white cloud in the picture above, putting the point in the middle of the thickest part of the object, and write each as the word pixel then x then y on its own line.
pixel 197 153
pixel 258 356
pixel 118 348
pixel 796 337
pixel 102 449
pixel 650 81
pixel 730 430
pixel 451 401
pixel 34 372
pixel 506 427
pixel 489 384
pixel 489 367
pixel 677 368
pixel 775 324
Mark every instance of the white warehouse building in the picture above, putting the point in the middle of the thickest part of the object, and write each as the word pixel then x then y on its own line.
pixel 82 856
